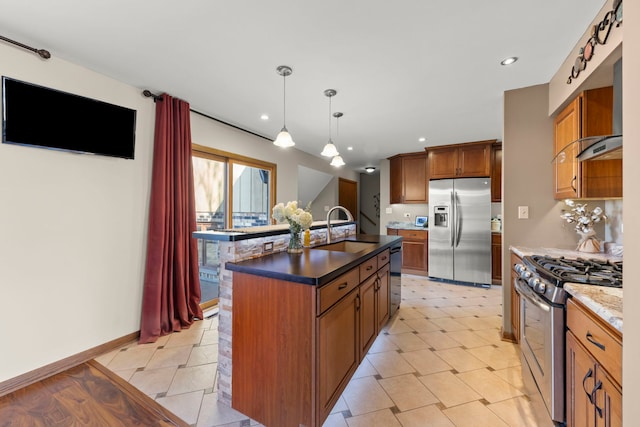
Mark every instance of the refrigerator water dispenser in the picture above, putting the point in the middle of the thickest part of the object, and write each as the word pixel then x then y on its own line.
pixel 440 216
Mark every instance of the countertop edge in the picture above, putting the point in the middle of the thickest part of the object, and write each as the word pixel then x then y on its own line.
pixel 234 236
pixel 348 261
pixel 606 303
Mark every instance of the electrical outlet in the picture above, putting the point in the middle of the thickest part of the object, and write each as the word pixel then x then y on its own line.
pixel 389 210
pixel 267 247
pixel 407 215
pixel 523 212
pixel 326 208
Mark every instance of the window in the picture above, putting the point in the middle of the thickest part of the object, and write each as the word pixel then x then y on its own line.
pixel 231 191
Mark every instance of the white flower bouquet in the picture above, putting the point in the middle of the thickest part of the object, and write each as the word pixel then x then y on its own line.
pixel 584 221
pixel 582 218
pixel 299 219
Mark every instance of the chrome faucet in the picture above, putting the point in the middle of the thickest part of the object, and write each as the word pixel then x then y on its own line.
pixel 343 209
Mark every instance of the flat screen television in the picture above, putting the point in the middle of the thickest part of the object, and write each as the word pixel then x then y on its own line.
pixel 37 116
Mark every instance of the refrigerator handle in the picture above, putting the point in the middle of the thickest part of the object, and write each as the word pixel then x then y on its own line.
pixel 458 219
pixel 451 222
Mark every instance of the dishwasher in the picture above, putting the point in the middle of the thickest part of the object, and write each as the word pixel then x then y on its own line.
pixel 395 285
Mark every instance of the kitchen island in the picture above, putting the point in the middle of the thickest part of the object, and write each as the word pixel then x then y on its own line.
pixel 248 243
pixel 302 324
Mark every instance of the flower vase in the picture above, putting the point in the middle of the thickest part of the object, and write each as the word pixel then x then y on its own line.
pixel 588 242
pixel 295 244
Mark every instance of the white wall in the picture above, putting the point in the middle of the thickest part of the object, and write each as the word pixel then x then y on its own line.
pixel 73 227
pixel 72 230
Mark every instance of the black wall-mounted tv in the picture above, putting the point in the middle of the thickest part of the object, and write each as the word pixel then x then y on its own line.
pixel 37 116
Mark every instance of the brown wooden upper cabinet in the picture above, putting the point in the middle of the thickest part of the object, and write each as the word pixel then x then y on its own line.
pixel 472 159
pixel 589 114
pixel 496 172
pixel 408 178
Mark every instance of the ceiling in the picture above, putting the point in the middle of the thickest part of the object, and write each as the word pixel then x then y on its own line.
pixel 403 69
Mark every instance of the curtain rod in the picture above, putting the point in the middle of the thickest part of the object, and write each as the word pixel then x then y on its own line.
pixel 43 53
pixel 156 98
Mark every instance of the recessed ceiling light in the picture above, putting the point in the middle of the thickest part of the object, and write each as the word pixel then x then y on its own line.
pixel 350 148
pixel 508 61
pixel 264 117
pixel 422 139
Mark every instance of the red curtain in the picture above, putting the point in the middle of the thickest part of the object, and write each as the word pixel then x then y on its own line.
pixel 171 298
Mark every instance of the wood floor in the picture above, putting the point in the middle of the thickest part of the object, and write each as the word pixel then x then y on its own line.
pixel 86 395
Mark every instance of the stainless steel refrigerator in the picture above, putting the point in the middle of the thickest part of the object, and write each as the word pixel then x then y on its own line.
pixel 460 230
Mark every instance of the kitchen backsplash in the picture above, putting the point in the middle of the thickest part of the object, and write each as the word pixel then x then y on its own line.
pixel 398 211
pixel 613 225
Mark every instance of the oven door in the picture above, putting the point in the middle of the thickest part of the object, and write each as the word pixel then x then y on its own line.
pixel 542 347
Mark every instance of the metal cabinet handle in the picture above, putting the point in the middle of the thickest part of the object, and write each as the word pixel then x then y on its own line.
pixel 594 342
pixel 358 302
pixel 341 287
pixel 597 387
pixel 369 267
pixel 584 380
pixel 573 187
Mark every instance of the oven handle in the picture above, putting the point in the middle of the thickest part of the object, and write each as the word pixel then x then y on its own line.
pixel 529 295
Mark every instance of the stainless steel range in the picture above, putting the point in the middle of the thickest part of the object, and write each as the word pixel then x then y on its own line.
pixel 542 319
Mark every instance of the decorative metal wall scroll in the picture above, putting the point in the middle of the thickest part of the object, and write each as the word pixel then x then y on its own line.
pixel 599 35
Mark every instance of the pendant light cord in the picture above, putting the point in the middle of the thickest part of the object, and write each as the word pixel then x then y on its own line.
pixel 284 101
pixel 330 118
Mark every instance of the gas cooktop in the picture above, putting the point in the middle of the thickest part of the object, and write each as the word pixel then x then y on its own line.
pixel 586 271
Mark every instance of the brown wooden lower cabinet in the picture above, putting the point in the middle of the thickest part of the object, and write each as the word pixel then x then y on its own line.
pixel 296 347
pixel 594 370
pixel 496 258
pixel 415 251
pixel 515 300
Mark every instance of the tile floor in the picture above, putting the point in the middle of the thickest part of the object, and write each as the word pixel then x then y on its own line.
pixel 438 362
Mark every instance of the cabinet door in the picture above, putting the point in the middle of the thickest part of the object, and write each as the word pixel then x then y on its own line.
pixel 395 180
pixel 566 128
pixel 580 384
pixel 496 257
pixel 338 350
pixel 414 178
pixel 443 163
pixel 608 401
pixel 515 300
pixel 496 173
pixel 383 296
pixel 474 161
pixel 368 322
pixel 414 255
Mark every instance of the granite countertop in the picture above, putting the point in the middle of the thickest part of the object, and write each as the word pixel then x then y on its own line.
pixel 604 301
pixel 236 234
pixel 522 251
pixel 313 266
pixel 405 226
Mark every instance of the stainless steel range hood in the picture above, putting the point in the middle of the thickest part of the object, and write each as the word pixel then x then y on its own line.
pixel 600 148
pixel 610 146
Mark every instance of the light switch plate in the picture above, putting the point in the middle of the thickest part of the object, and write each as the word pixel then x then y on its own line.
pixel 523 212
pixel 389 210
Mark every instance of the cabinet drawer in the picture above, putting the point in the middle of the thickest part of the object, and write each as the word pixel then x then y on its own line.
pixel 333 291
pixel 589 331
pixel 383 258
pixel 368 267
pixel 413 234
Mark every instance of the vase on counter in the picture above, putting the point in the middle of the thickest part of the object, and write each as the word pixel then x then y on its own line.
pixel 588 242
pixel 295 244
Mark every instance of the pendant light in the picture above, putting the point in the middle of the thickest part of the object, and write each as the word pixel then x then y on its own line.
pixel 330 149
pixel 337 159
pixel 284 139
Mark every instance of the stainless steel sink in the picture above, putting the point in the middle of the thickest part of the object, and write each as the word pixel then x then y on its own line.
pixel 347 246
